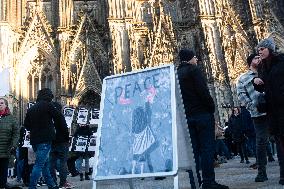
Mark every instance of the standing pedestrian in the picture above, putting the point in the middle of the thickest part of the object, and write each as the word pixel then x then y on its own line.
pixel 39 121
pixel 85 132
pixel 249 97
pixel 271 81
pixel 199 109
pixel 9 135
pixel 59 150
pixel 238 134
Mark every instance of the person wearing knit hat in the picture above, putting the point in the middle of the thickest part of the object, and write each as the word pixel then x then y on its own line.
pixel 271 81
pixel 267 43
pixel 199 110
pixel 248 96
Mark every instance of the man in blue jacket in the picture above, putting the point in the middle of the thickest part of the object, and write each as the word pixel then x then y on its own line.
pixel 199 109
pixel 39 121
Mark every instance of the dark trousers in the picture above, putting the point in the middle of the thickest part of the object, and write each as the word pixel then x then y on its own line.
pixel 59 152
pixel 222 149
pixel 3 172
pixel 202 132
pixel 241 148
pixel 71 164
pixel 262 133
pixel 280 153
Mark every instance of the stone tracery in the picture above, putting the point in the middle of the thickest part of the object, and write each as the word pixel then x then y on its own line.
pixel 116 36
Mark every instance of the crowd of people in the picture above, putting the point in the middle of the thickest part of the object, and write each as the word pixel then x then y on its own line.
pixel 252 127
pixel 49 138
pixel 252 130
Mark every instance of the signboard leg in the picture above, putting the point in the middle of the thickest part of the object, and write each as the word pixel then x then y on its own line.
pixel 176 183
pixel 94 184
pixel 130 182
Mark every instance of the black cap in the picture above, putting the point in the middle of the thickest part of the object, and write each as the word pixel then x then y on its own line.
pixel 250 58
pixel 186 54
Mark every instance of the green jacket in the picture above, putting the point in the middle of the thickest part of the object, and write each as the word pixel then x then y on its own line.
pixel 9 135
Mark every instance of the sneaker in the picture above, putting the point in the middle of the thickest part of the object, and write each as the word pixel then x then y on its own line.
pixel 242 161
pixel 247 162
pixel 87 176
pixel 15 183
pixel 214 185
pixel 67 185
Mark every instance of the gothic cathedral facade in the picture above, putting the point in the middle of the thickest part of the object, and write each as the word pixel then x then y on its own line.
pixel 69 46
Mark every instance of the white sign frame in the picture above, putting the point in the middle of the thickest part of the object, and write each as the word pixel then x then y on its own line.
pixel 174 129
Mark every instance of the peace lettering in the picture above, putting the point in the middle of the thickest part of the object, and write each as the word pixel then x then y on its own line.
pixel 130 89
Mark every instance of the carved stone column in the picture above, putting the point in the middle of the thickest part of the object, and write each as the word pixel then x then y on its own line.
pixel 221 85
pixel 119 36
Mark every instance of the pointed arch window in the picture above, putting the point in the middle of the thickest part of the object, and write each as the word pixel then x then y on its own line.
pixel 40 76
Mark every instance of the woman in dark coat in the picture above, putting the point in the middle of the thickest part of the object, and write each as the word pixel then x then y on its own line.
pixel 271 81
pixel 9 135
pixel 238 134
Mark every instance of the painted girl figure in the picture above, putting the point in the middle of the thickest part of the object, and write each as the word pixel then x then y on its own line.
pixel 144 138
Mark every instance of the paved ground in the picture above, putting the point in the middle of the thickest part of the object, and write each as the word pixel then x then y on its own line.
pixel 233 174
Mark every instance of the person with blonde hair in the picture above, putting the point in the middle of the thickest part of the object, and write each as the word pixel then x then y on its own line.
pixel 9 135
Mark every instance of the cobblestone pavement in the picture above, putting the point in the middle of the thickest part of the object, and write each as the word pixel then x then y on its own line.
pixel 234 174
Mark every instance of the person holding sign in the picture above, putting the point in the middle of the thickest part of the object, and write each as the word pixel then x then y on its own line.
pixel 199 109
pixel 83 132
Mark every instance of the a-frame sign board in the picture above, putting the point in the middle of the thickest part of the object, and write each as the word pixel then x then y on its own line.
pixel 142 130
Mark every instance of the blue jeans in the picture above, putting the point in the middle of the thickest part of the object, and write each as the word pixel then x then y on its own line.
pixel 19 166
pixel 261 131
pixel 41 166
pixel 251 144
pixel 202 132
pixel 59 152
pixel 222 149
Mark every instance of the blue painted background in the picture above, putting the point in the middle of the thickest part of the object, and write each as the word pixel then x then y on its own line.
pixel 122 95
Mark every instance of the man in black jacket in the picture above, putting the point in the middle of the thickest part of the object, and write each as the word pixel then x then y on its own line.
pixel 199 109
pixel 39 121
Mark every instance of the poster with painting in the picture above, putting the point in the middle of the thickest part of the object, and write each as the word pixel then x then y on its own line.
pixel 81 144
pixel 82 117
pixel 94 117
pixel 69 114
pixel 30 104
pixel 92 143
pixel 136 134
pixel 27 143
